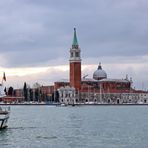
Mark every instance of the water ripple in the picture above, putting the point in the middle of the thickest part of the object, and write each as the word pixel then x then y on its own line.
pixel 80 127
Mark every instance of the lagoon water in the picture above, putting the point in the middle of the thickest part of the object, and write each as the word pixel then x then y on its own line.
pixel 76 127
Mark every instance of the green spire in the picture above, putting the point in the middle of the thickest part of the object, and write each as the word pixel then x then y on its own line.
pixel 75 41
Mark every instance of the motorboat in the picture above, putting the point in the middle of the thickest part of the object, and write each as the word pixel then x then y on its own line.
pixel 4 111
pixel 4 116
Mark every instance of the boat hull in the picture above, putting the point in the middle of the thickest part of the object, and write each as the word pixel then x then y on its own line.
pixel 3 122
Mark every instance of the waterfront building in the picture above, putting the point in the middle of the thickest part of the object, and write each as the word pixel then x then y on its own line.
pixel 40 94
pixel 100 88
pixel 67 95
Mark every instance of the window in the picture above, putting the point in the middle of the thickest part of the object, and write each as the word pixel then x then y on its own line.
pixel 71 54
pixel 77 54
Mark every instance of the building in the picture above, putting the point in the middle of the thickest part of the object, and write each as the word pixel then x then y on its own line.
pixel 75 64
pixel 100 88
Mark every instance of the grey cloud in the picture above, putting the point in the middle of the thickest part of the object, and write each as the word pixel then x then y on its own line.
pixel 34 32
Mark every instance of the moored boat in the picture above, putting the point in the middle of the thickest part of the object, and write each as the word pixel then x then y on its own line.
pixel 4 111
pixel 4 116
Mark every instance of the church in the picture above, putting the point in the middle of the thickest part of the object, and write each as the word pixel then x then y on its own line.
pixel 99 89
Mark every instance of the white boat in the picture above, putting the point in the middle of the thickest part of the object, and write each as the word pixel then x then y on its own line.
pixel 4 111
pixel 4 116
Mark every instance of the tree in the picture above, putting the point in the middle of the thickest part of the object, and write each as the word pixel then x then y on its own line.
pixel 5 90
pixel 55 96
pixel 10 91
pixel 25 91
pixel 37 94
pixel 37 86
pixel 31 94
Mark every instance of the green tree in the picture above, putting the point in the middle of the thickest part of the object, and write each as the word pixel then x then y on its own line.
pixel 10 91
pixel 31 94
pixel 25 92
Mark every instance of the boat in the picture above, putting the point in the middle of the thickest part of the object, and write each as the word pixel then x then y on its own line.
pixel 4 111
pixel 4 116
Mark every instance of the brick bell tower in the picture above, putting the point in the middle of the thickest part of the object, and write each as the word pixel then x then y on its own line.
pixel 75 64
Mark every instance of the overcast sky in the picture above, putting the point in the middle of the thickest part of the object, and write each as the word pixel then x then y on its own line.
pixel 35 37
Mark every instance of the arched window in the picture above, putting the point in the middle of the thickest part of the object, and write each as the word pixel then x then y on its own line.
pixel 71 54
pixel 77 54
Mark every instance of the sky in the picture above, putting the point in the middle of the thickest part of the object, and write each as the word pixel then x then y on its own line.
pixel 36 35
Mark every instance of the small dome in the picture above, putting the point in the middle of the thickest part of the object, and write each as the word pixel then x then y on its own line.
pixel 99 73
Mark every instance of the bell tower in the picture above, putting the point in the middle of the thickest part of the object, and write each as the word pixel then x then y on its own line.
pixel 75 63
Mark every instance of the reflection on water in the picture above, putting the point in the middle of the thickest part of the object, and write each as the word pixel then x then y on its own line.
pixel 76 127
